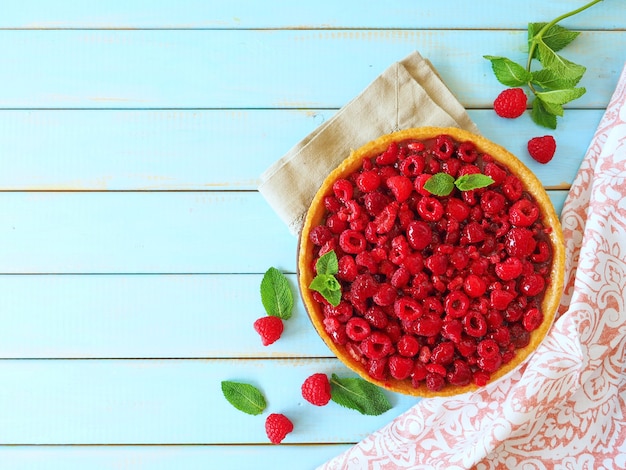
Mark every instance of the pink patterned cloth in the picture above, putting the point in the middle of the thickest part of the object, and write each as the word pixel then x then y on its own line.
pixel 566 406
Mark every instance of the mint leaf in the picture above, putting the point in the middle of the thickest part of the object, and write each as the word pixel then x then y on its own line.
pixel 567 69
pixel 557 73
pixel 552 108
pixel 548 79
pixel 440 184
pixel 327 263
pixel 325 282
pixel 328 286
pixel 244 397
pixel 507 72
pixel 358 394
pixel 561 97
pixel 541 116
pixel 473 181
pixel 555 37
pixel 276 294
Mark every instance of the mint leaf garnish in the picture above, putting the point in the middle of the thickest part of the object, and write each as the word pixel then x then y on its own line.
pixel 440 184
pixel 507 72
pixel 542 115
pixel 553 83
pixel 358 394
pixel 473 181
pixel 276 294
pixel 327 263
pixel 244 397
pixel 325 282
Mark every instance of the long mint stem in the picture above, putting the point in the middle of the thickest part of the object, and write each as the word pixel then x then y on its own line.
pixel 543 30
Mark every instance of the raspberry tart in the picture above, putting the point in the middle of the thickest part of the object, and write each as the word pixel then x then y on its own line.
pixel 442 290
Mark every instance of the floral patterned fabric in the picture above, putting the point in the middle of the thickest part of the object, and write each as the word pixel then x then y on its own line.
pixel 566 406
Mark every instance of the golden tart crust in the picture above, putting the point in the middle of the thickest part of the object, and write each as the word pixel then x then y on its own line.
pixel 531 184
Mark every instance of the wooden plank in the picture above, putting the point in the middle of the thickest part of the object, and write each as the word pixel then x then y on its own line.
pixel 181 316
pixel 230 457
pixel 204 149
pixel 175 232
pixel 264 69
pixel 169 402
pixel 285 14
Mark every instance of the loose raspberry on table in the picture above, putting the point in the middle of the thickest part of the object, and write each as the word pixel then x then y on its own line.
pixel 510 103
pixel 277 426
pixel 316 389
pixel 542 149
pixel 269 328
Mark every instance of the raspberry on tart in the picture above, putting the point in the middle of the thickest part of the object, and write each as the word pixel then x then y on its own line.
pixel 440 294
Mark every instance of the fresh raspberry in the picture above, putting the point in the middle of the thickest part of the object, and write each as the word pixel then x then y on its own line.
pixel 401 187
pixel 385 219
pixel 488 348
pixel 452 330
pixel 428 325
pixel 377 368
pixel 443 353
pixel 510 103
pixel 412 166
pixel 532 284
pixel 532 319
pixel 500 299
pixel 358 329
pixel 475 324
pixel 419 235
pixel 316 389
pixel 457 209
pixel 430 209
pixel 519 242
pixel 435 382
pixel 408 346
pixel 389 156
pixel 444 147
pixel 509 269
pixel 523 213
pixel 277 426
pixel 407 309
pixel 368 181
pixel 456 304
pixel 460 373
pixel 375 202
pixel 347 268
pixel 377 345
pixel 542 149
pixel 474 286
pixel 376 317
pixel 343 190
pixel 352 241
pixel 467 152
pixel 400 367
pixel 269 328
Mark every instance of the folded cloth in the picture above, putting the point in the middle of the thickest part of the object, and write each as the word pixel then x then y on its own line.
pixel 566 407
pixel 408 94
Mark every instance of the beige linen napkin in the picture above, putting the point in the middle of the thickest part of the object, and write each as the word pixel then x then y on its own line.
pixel 408 94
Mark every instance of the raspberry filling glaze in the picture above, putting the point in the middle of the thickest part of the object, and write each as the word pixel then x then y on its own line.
pixel 440 293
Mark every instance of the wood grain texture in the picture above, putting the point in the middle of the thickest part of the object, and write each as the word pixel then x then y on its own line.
pixel 265 68
pixel 188 457
pixel 169 402
pixel 132 238
pixel 240 14
pixel 163 150
pixel 139 232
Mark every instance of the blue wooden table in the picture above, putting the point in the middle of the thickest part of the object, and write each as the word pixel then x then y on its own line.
pixel 132 237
